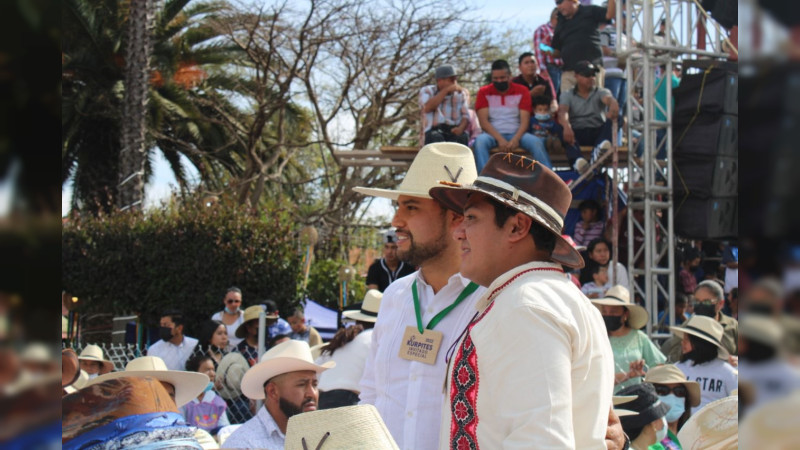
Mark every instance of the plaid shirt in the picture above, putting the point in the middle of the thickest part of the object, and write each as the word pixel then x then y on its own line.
pixel 450 111
pixel 544 34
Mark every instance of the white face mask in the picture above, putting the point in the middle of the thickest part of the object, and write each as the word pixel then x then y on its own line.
pixel 662 433
pixel 93 375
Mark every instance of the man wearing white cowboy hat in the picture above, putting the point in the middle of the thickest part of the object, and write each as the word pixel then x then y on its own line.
pixel 554 389
pixel 286 379
pixel 93 361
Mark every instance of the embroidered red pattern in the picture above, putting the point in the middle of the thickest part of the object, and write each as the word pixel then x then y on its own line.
pixel 465 379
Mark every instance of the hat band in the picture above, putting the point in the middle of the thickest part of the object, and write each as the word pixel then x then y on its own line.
pixel 704 333
pixel 369 313
pixel 555 221
pixel 617 298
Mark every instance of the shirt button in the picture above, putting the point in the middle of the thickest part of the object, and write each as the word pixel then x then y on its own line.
pixel 410 414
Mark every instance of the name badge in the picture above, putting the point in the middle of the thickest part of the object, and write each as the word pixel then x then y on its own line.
pixel 420 347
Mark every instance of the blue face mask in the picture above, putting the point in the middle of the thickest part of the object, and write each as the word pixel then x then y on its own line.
pixel 229 311
pixel 209 387
pixel 542 117
pixel 677 406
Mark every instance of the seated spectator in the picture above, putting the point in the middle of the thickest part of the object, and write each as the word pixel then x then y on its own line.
pixel 93 362
pixel 678 393
pixel 248 333
pixel 582 113
pixel 538 83
pixel 207 410
pixel 174 348
pixel 595 288
pixel 648 427
pixel 212 340
pixel 590 227
pixel 599 252
pixel 680 313
pixel 504 112
pixel 544 126
pixel 301 331
pixel 691 259
pixel 444 109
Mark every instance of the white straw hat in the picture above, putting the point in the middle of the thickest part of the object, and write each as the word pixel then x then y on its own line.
pixel 440 161
pixel 289 356
pixel 671 374
pixel 188 385
pixel 94 353
pixel 706 328
pixel 345 428
pixel 369 307
pixel 618 295
pixel 715 425
pixel 79 384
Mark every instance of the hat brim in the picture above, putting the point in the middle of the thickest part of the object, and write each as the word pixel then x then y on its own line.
pixel 108 366
pixel 389 193
pixel 254 379
pixel 358 315
pixel 455 198
pixel 188 385
pixel 722 353
pixel 652 413
pixel 241 330
pixel 637 314
pixel 624 412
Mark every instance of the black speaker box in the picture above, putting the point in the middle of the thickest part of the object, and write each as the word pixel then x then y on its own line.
pixel 711 218
pixel 708 135
pixel 716 92
pixel 706 176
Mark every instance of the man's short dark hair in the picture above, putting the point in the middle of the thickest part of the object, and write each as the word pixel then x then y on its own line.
pixel 523 56
pixel 501 64
pixel 542 237
pixel 537 100
pixel 176 316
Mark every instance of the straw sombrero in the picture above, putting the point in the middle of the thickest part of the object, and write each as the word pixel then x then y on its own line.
pixel 94 353
pixel 706 328
pixel 369 307
pixel 345 428
pixel 289 356
pixel 188 385
pixel 618 295
pixel 445 161
pixel 79 384
pixel 670 374
pixel 715 425
pixel 251 313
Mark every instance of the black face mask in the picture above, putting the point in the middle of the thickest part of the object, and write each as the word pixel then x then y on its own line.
pixel 165 333
pixel 705 309
pixel 613 323
pixel 501 86
pixel 760 308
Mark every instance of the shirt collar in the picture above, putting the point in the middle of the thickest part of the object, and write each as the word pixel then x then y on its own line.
pixel 269 423
pixel 455 278
pixel 506 277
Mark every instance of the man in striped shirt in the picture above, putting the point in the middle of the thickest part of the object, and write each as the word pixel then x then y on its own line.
pixel 544 35
pixel 444 109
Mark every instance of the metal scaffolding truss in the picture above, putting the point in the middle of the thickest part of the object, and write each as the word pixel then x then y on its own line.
pixel 689 33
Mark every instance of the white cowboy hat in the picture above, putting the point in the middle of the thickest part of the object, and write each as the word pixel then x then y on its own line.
pixel 79 384
pixel 316 350
pixel 188 385
pixel 289 356
pixel 94 353
pixel 706 328
pixel 670 374
pixel 348 427
pixel 715 425
pixel 369 307
pixel 440 161
pixel 618 295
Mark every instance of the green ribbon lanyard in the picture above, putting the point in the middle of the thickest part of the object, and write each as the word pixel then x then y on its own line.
pixel 438 317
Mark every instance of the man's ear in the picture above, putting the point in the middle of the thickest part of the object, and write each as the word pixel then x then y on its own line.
pixel 520 226
pixel 271 391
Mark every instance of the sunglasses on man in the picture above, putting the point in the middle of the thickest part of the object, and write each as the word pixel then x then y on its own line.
pixel 680 390
pixel 232 300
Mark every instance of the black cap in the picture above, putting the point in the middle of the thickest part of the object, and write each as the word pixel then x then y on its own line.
pixel 647 404
pixel 586 69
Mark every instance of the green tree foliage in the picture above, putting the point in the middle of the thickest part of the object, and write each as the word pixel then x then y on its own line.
pixel 324 286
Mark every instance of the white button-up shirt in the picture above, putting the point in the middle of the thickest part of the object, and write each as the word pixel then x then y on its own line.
pixel 541 373
pixel 259 432
pixel 408 394
pixel 174 356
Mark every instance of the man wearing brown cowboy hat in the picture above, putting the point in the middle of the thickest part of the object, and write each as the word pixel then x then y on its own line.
pixel 534 368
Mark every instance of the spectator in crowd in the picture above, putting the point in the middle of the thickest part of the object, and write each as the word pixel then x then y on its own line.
pixel 275 324
pixel 596 288
pixel 538 83
pixel 384 271
pixel 599 251
pixel 444 108
pixel 207 410
pixel 649 426
pixel 691 259
pixel 511 243
pixel 709 300
pixel 661 101
pixel 93 362
pixel 174 348
pixel 232 314
pixel 349 348
pixel 247 332
pixel 634 352
pixel 544 126
pixel 615 79
pixel 504 112
pixel 704 359
pixel 301 331
pixel 680 314
pixel 680 394
pixel 590 227
pixel 279 339
pixel 212 340
pixel 286 380
pixel 731 307
pixel 576 38
pixel 542 47
pixel 582 113
pixel 730 259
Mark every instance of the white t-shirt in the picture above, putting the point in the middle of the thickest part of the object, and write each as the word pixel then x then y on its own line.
pixel 233 341
pixel 350 360
pixel 717 379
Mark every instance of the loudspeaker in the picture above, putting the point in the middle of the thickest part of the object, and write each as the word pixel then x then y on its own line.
pixel 704 176
pixel 708 135
pixel 716 92
pixel 711 218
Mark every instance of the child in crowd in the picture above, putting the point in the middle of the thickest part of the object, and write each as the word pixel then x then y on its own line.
pixel 544 125
pixel 208 410
pixel 597 287
pixel 590 226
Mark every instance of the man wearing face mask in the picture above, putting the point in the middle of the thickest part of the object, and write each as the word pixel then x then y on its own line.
pixel 504 112
pixel 174 347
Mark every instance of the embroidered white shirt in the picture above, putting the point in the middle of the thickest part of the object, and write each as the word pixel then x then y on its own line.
pixel 174 356
pixel 408 394
pixel 259 432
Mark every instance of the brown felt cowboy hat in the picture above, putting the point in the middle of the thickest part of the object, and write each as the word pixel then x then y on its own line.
pixel 251 313
pixel 523 184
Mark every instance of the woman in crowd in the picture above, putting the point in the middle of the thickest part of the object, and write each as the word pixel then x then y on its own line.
pixel 599 252
pixel 704 359
pixel 232 314
pixel 207 410
pixel 679 394
pixel 212 339
pixel 649 426
pixel 634 352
